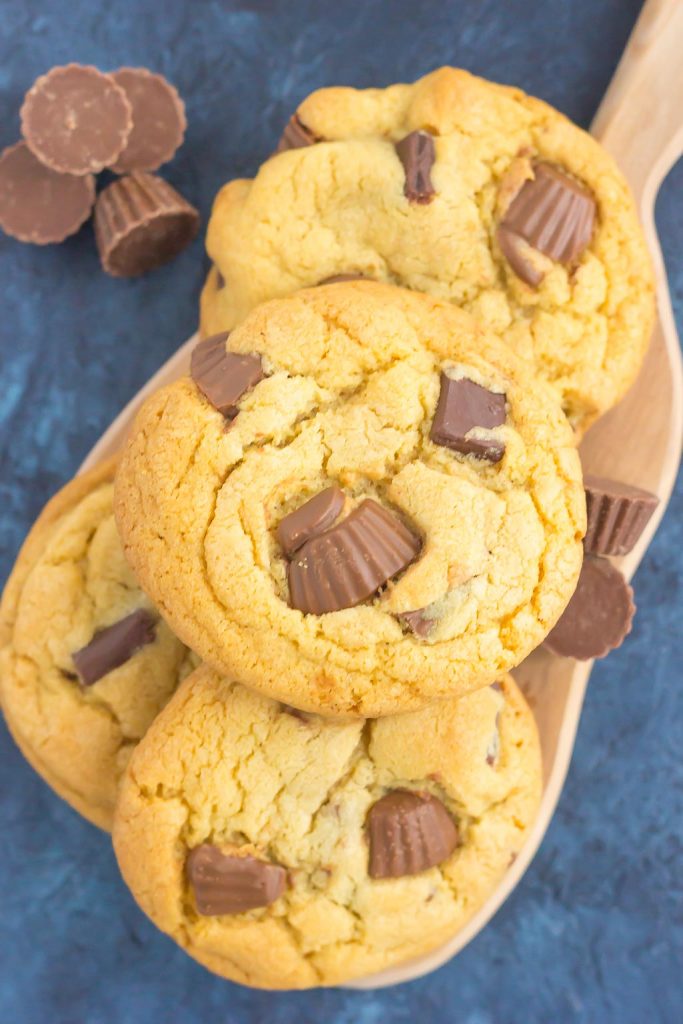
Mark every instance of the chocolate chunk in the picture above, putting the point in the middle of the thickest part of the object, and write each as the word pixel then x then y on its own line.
pixel 310 519
pixel 220 280
pixel 114 645
pixel 37 204
pixel 617 515
pixel 158 120
pixel 225 884
pixel 462 406
pixel 76 120
pixel 351 561
pixel 141 223
pixel 409 833
pixel 222 376
pixel 336 278
pixel 554 213
pixel 599 615
pixel 296 135
pixel 416 153
pixel 418 622
pixel 515 251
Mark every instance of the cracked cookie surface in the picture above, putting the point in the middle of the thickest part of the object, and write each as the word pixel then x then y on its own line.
pixel 227 767
pixel 338 207
pixel 352 381
pixel 70 580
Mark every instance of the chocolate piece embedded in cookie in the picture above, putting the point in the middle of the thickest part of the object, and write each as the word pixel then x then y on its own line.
pixel 418 622
pixel 296 135
pixel 222 376
pixel 463 406
pixel 114 645
pixel 617 515
pixel 416 153
pixel 76 119
pixel 225 884
pixel 36 203
pixel 554 213
pixel 310 519
pixel 141 222
pixel 347 564
pixel 409 832
pixel 599 615
pixel 516 251
pixel 159 121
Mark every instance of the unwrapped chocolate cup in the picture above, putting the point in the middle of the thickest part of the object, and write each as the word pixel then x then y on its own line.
pixel 37 204
pixel 75 119
pixel 141 222
pixel 159 121
pixel 617 515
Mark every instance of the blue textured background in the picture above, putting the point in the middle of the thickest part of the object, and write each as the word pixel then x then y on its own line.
pixel 595 931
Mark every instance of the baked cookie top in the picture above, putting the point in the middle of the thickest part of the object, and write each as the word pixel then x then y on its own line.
pixel 358 503
pixel 470 191
pixel 86 663
pixel 284 850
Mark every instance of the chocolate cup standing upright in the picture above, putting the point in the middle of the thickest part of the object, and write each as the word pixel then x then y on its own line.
pixel 141 222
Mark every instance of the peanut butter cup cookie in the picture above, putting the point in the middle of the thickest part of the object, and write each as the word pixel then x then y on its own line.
pixel 284 850
pixel 86 662
pixel 470 191
pixel 357 502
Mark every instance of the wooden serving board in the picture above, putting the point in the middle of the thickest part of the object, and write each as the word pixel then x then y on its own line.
pixel 641 123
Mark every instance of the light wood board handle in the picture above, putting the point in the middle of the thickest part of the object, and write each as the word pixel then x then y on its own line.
pixel 640 120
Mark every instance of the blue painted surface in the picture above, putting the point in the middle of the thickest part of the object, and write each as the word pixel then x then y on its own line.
pixel 595 931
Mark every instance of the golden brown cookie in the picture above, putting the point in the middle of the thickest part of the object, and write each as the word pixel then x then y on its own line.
pixel 449 554
pixel 85 661
pixel 470 191
pixel 283 850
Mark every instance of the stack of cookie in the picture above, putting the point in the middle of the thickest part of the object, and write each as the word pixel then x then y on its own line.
pixel 270 646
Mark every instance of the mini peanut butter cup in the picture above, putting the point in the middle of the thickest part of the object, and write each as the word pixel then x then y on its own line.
pixel 40 205
pixel 141 222
pixel 228 884
pixel 417 155
pixel 409 833
pixel 348 563
pixel 599 616
pixel 617 515
pixel 76 120
pixel 296 135
pixel 159 121
pixel 554 213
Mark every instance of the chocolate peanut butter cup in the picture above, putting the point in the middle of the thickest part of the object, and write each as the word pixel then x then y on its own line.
pixel 408 833
pixel 350 562
pixel 554 213
pixel 617 515
pixel 229 884
pixel 159 121
pixel 38 204
pixel 296 135
pixel 76 120
pixel 222 376
pixel 598 618
pixel 141 222
pixel 417 154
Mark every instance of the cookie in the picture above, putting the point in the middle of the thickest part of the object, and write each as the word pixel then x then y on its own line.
pixel 85 661
pixel 286 850
pixel 455 543
pixel 470 191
